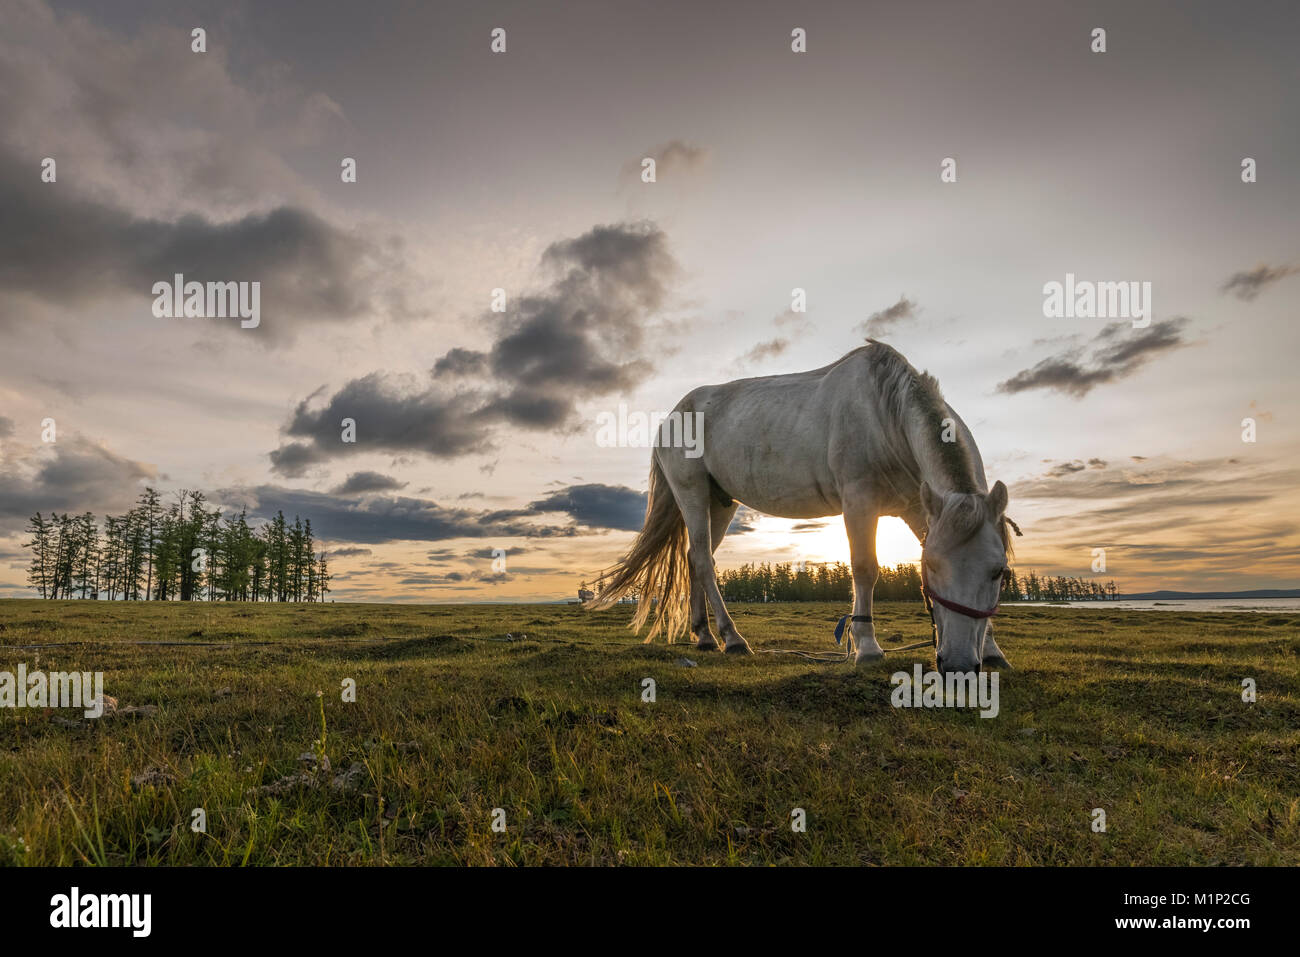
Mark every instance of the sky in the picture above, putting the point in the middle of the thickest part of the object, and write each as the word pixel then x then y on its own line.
pixel 823 170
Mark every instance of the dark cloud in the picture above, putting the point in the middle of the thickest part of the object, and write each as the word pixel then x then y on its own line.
pixel 1069 468
pixel 6 427
pixel 448 578
pixel 293 460
pixel 765 350
pixel 67 249
pixel 359 482
pixel 1249 284
pixel 578 339
pixel 459 362
pixel 597 506
pixel 1066 468
pixel 388 418
pixel 349 552
pixel 745 520
pixel 372 520
pixel 77 475
pixel 879 323
pixel 1114 355
pixel 487 553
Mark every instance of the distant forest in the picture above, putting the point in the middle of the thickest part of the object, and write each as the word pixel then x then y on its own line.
pixel 834 582
pixel 180 552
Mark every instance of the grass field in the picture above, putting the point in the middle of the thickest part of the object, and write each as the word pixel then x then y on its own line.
pixel 1137 713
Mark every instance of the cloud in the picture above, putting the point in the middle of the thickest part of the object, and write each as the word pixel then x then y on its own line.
pixel 765 350
pixel 388 417
pixel 1221 515
pixel 74 475
pixel 144 190
pixel 672 158
pixel 1113 358
pixel 1210 481
pixel 359 482
pixel 488 552
pixel 592 505
pixel 372 519
pixel 745 520
pixel 460 362
pixel 879 323
pixel 66 249
pixel 6 427
pixel 597 506
pixel 349 552
pixel 579 338
pixel 1249 284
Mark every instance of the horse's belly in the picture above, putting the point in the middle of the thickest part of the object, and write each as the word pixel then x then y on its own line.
pixel 776 482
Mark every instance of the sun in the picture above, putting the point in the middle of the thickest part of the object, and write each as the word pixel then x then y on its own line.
pixel 895 543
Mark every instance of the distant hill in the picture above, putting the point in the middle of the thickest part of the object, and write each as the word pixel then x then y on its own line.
pixel 1185 595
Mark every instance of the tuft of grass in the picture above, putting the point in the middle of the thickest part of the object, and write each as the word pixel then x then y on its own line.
pixel 1137 713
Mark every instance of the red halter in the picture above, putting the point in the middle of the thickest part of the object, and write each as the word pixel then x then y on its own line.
pixel 952 605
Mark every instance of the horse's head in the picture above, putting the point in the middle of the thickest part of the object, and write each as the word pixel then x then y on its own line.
pixel 963 560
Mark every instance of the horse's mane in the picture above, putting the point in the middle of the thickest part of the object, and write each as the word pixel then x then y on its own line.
pixel 964 515
pixel 904 391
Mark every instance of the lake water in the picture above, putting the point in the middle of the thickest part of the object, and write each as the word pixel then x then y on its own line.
pixel 1180 604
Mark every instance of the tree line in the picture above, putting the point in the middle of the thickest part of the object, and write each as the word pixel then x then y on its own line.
pixel 834 582
pixel 182 551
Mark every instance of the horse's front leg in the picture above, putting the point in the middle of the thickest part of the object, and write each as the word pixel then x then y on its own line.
pixel 993 656
pixel 860 518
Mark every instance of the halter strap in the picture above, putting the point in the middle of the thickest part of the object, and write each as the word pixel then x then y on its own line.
pixel 952 605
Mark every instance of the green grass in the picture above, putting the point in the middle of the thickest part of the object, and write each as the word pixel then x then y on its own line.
pixel 1138 713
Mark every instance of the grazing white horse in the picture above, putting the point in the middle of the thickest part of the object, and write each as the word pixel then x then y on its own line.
pixel 865 436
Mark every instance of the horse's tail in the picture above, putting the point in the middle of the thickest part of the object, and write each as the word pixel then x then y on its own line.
pixel 655 570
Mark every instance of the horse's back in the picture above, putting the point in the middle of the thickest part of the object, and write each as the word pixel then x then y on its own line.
pixel 767 438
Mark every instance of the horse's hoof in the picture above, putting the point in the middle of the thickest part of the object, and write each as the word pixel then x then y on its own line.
pixel 868 659
pixel 738 647
pixel 709 645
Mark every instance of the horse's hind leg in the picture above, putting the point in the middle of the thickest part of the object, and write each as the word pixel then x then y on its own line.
pixel 693 490
pixel 704 639
pixel 719 519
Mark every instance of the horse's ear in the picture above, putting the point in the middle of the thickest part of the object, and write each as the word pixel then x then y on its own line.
pixel 931 501
pixel 998 499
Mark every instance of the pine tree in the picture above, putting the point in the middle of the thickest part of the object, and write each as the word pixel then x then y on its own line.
pixel 39 571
